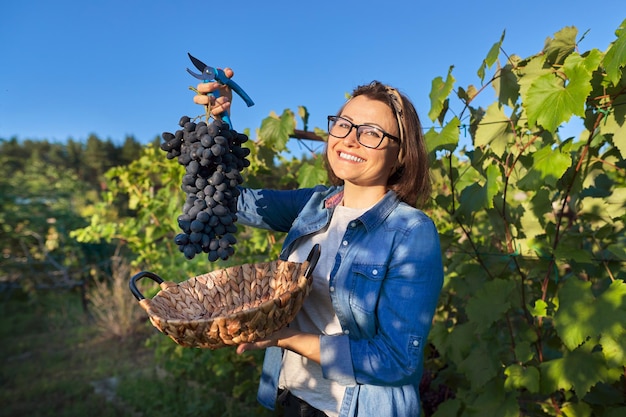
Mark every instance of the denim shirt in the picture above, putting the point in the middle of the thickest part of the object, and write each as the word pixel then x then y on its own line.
pixel 384 287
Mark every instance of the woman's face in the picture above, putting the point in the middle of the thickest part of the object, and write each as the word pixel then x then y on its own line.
pixel 355 163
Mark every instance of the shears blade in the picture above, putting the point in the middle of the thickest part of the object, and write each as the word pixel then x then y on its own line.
pixel 207 72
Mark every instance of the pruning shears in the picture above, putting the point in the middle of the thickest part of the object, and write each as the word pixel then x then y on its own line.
pixel 209 74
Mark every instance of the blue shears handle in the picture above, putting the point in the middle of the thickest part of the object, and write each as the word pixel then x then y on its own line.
pixel 221 77
pixel 209 74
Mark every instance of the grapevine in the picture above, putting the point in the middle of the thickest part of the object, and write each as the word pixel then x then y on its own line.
pixel 213 158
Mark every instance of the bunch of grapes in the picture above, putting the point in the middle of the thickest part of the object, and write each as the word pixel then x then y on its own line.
pixel 213 159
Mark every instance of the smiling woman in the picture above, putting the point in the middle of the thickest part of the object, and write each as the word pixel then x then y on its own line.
pixel 356 346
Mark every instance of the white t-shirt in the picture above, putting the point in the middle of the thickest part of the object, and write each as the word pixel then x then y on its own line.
pixel 299 375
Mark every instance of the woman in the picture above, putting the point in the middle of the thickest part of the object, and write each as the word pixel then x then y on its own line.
pixel 356 346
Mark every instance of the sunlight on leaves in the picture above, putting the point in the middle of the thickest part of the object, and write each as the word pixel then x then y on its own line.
pixel 494 130
pixel 615 58
pixel 581 315
pixel 491 57
pixel 553 100
pixel 439 92
pixel 540 309
pixel 550 164
pixel 447 139
pixel 578 370
pixel 576 410
pixel 518 377
pixel 275 131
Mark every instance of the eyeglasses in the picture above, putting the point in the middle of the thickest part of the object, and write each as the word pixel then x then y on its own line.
pixel 367 135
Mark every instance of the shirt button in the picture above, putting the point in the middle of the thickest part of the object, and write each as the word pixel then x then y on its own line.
pixel 416 343
pixel 346 331
pixel 375 272
pixel 331 289
pixel 344 243
pixel 353 224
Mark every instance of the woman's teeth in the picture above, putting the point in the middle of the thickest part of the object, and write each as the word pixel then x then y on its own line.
pixel 349 157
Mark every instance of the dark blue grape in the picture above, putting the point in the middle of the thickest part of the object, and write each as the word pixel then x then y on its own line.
pixel 222 253
pixel 203 217
pixel 220 210
pixel 218 150
pixel 189 251
pixel 197 226
pixel 181 239
pixel 196 237
pixel 226 220
pixel 183 120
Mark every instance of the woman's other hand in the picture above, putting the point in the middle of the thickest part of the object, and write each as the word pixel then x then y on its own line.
pixel 306 344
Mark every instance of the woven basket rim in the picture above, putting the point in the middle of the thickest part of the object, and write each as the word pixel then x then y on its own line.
pixel 301 285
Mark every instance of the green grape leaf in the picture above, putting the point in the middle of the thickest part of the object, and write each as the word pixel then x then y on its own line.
pixel 506 84
pixel 480 366
pixel 578 370
pixel 618 251
pixel 580 409
pixel 456 343
pixel 566 253
pixel 491 57
pixel 304 115
pixel 518 377
pixel 615 58
pixel 614 349
pixel 448 408
pixel 540 309
pixel 492 400
pixel 310 175
pixel 581 315
pixel 494 130
pixel 475 197
pixel 534 68
pixel 551 100
pixel 614 124
pixel 439 92
pixel 619 139
pixel 614 412
pixel 615 204
pixel 561 46
pixel 524 352
pixel 489 303
pixel 275 131
pixel 550 164
pixel 447 139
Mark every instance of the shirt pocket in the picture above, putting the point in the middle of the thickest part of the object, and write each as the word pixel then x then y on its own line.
pixel 366 282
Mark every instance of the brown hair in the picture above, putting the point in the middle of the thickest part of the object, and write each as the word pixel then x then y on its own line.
pixel 410 179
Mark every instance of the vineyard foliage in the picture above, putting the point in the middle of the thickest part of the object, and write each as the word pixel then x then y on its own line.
pixel 531 319
pixel 532 223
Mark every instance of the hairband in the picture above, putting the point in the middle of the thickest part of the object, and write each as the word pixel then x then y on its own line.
pixel 396 101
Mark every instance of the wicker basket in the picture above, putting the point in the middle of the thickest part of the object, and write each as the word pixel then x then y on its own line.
pixel 229 306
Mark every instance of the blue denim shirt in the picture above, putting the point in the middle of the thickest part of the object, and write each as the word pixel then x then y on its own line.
pixel 384 287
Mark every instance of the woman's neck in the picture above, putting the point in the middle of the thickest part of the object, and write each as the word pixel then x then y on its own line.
pixel 355 196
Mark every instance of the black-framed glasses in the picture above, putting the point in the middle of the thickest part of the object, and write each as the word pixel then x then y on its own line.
pixel 367 135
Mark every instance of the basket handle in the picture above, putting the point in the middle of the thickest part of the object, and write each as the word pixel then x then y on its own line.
pixel 313 257
pixel 133 283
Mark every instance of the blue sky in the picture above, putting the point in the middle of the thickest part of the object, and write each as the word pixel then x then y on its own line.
pixel 116 68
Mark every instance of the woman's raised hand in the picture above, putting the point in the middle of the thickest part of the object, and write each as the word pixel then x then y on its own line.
pixel 206 97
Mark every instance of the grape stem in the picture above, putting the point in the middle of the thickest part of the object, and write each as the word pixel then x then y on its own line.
pixel 207 107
